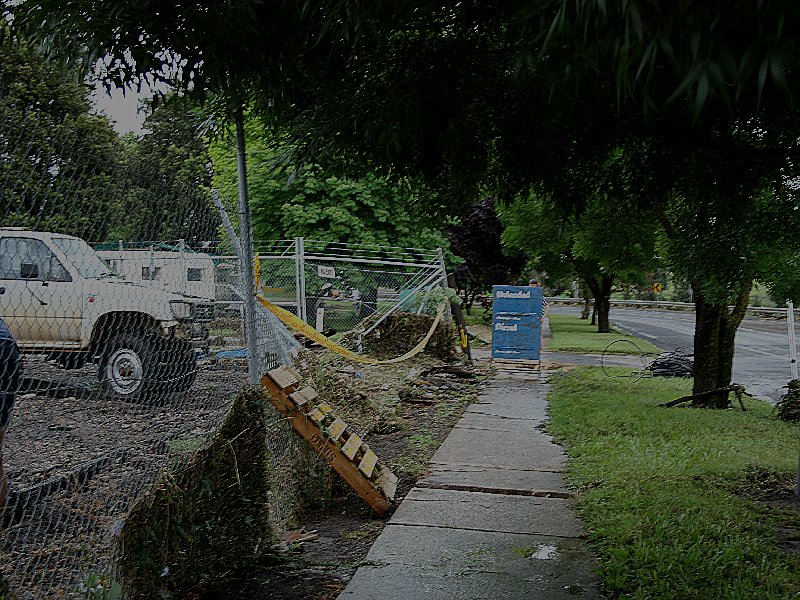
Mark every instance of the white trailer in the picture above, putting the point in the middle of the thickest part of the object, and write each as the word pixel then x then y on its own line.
pixel 187 273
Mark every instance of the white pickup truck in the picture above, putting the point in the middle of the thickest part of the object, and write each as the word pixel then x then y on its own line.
pixel 60 299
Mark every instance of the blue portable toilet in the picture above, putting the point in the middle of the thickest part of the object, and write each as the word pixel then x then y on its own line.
pixel 516 323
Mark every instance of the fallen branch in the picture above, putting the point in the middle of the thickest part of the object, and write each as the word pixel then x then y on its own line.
pixel 734 387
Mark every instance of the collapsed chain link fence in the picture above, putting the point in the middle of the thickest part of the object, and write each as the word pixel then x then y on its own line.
pixel 133 350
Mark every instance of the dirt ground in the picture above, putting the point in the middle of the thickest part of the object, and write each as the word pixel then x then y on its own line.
pixel 77 460
pixel 778 494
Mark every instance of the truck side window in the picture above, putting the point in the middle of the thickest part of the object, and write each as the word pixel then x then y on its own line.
pixel 149 274
pixel 25 258
pixel 193 274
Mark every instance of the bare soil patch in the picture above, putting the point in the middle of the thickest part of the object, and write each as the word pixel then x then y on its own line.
pixel 77 459
pixel 779 494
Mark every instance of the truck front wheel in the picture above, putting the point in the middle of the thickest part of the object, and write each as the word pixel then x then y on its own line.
pixel 129 367
pixel 178 366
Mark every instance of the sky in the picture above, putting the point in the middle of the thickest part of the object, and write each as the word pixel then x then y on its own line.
pixel 121 108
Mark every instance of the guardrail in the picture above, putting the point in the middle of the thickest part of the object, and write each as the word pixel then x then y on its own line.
pixel 663 304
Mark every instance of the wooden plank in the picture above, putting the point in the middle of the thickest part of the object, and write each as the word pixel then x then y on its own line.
pixel 336 429
pixel 368 462
pixel 387 481
pixel 319 412
pixel 284 377
pixel 327 448
pixel 516 363
pixel 304 396
pixel 518 366
pixel 351 446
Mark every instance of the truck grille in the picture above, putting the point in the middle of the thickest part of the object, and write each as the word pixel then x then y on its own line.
pixel 203 312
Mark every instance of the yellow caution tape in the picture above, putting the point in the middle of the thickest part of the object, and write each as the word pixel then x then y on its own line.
pixel 462 338
pixel 306 330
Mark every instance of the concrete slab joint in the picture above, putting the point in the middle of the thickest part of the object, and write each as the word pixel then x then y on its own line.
pixel 491 520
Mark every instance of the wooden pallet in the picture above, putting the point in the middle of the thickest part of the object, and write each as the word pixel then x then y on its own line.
pixel 340 446
pixel 518 366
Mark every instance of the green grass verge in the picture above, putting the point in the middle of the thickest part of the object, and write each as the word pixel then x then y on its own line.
pixel 572 334
pixel 478 316
pixel 657 489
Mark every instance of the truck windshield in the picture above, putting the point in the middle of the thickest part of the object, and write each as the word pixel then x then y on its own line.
pixel 81 255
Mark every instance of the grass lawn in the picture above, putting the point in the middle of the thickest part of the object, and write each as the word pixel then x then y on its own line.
pixel 478 316
pixel 673 497
pixel 572 334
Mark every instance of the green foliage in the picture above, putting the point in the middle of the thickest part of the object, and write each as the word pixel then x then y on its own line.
pixel 571 334
pixel 169 177
pixel 608 240
pixel 273 51
pixel 97 588
pixel 288 201
pixel 61 167
pixel 606 237
pixel 662 55
pixel 722 248
pixel 657 489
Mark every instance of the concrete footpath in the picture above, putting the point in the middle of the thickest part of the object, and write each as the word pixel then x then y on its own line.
pixel 492 520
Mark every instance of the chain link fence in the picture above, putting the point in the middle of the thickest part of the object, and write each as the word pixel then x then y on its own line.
pixel 133 351
pixel 129 365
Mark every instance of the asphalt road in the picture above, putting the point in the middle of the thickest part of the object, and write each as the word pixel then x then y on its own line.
pixel 761 361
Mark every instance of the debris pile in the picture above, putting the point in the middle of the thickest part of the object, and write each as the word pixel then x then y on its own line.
pixel 208 517
pixel 400 332
pixel 434 385
pixel 672 364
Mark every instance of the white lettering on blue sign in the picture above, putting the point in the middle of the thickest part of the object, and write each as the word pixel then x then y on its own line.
pixel 501 327
pixel 505 294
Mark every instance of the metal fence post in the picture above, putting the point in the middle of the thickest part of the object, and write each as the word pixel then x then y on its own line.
pixel 793 360
pixel 792 339
pixel 184 274
pixel 301 277
pixel 443 268
pixel 248 285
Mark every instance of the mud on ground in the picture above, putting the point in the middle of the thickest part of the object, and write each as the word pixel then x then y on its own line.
pixel 77 458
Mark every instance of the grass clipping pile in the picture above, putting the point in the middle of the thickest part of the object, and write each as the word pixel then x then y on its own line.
pixel 400 332
pixel 208 517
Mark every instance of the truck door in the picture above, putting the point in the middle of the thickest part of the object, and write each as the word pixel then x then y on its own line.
pixel 39 300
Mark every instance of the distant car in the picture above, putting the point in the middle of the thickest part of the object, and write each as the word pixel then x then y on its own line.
pixel 60 299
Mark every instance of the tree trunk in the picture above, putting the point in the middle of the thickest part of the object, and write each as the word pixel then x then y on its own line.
pixel 714 335
pixel 469 299
pixel 586 294
pixel 587 307
pixel 601 289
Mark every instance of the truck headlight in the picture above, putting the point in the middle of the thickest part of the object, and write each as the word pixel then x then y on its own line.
pixel 180 309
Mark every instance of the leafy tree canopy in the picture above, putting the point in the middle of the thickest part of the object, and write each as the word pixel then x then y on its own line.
pixel 477 240
pixel 169 179
pixel 61 163
pixel 288 201
pixel 608 242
